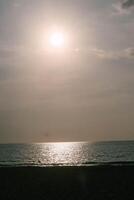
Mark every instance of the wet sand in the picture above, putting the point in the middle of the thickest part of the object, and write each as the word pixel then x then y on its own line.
pixel 67 183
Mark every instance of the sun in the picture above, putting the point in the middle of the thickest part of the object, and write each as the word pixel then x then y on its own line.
pixel 57 40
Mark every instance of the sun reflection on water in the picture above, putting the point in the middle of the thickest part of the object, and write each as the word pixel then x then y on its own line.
pixel 61 153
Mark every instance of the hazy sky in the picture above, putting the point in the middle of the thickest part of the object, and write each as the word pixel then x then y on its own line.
pixel 82 92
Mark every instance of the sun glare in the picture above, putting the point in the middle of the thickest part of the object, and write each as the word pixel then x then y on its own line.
pixel 57 40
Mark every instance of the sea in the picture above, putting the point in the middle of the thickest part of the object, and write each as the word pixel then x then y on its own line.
pixel 67 154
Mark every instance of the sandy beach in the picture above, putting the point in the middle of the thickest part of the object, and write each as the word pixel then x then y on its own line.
pixel 92 182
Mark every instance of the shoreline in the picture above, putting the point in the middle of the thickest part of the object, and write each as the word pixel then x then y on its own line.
pixel 91 164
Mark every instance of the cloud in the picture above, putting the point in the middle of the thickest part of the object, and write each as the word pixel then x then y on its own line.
pixel 100 53
pixel 129 52
pixel 127 4
pixel 18 54
pixel 118 10
pixel 95 52
pixel 103 54
pixel 123 7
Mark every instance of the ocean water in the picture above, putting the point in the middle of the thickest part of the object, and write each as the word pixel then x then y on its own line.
pixel 62 154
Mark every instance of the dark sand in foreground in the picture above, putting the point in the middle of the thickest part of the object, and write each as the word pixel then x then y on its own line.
pixel 94 182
